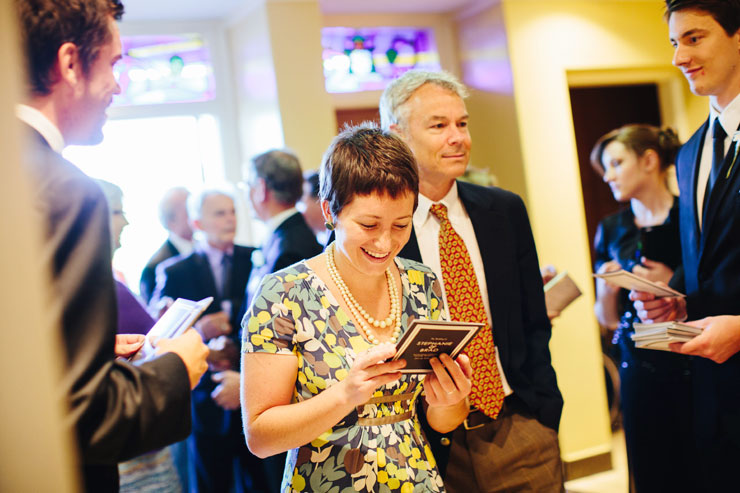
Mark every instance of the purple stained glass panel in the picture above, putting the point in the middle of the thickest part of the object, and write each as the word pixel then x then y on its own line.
pixel 366 59
pixel 164 69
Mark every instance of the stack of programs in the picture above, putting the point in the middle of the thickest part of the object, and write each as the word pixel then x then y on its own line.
pixel 660 335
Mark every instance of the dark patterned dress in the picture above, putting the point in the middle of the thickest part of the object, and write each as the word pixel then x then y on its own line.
pixel 377 447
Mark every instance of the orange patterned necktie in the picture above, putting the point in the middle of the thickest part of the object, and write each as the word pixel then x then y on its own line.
pixel 465 304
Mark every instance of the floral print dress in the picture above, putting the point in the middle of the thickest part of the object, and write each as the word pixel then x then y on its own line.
pixel 377 447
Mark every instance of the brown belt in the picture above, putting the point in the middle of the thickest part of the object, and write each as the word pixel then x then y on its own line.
pixel 477 418
pixel 382 420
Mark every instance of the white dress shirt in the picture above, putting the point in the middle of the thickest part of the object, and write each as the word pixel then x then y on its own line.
pixel 36 120
pixel 730 120
pixel 426 226
pixel 184 247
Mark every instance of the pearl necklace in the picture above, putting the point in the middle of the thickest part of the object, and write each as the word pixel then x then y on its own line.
pixel 364 319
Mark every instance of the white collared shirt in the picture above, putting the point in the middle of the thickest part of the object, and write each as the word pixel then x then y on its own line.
pixel 730 120
pixel 183 246
pixel 426 227
pixel 36 120
pixel 275 221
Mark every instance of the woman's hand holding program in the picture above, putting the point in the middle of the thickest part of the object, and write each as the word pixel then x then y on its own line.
pixel 370 371
pixel 653 271
pixel 450 382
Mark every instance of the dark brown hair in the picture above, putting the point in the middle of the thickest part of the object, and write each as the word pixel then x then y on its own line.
pixel 365 159
pixel 281 171
pixel 725 12
pixel 47 24
pixel 638 138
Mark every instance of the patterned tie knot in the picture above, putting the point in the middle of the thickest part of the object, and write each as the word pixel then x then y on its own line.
pixel 439 211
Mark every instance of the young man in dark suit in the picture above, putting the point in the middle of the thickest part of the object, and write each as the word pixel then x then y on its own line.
pixel 217 451
pixel 705 35
pixel 173 214
pixel 118 410
pixel 275 185
pixel 509 446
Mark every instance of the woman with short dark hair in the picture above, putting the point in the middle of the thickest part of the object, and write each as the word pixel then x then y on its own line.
pixel 316 375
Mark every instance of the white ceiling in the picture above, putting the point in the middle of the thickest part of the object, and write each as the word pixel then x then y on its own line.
pixel 175 10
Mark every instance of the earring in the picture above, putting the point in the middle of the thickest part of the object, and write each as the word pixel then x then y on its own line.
pixel 329 226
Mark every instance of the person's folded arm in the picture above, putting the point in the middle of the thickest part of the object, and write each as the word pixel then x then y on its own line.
pixel 274 424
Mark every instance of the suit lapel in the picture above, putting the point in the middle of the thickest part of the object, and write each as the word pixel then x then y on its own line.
pixel 411 249
pixel 171 248
pixel 206 278
pixel 689 165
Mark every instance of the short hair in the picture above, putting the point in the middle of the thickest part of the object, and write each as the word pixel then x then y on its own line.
pixel 46 25
pixel 365 159
pixel 196 200
pixel 638 138
pixel 401 89
pixel 725 12
pixel 312 178
pixel 282 173
pixel 166 206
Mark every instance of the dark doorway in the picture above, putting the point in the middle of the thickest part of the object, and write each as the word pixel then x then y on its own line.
pixel 596 111
pixel 355 116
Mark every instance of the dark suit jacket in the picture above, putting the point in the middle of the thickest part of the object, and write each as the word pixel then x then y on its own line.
pixel 711 258
pixel 148 275
pixel 521 329
pixel 118 410
pixel 291 242
pixel 191 277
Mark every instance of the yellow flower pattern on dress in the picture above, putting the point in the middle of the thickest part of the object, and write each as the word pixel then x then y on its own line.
pixel 378 447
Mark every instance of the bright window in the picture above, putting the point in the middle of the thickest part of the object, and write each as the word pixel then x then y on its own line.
pixel 145 157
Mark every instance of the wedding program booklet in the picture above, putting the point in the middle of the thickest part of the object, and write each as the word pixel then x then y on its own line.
pixel 628 280
pixel 178 318
pixel 660 335
pixel 560 292
pixel 427 339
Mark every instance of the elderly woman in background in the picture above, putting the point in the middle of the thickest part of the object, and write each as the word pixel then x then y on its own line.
pixel 154 471
pixel 643 238
pixel 316 380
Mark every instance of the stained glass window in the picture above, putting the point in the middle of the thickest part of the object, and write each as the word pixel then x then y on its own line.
pixel 366 59
pixel 164 69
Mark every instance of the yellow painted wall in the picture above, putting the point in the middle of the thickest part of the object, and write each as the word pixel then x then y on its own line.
pixel 278 79
pixel 548 39
pixel 486 70
pixel 308 119
pixel 36 452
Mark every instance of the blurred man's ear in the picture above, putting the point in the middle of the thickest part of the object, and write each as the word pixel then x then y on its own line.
pixel 69 65
pixel 396 129
pixel 261 192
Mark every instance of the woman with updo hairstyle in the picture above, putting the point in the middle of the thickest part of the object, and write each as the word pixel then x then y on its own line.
pixel 317 380
pixel 643 238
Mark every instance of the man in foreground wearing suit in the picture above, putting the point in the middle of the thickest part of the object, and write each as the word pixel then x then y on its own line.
pixel 479 242
pixel 118 410
pixel 173 214
pixel 705 35
pixel 275 185
pixel 218 268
